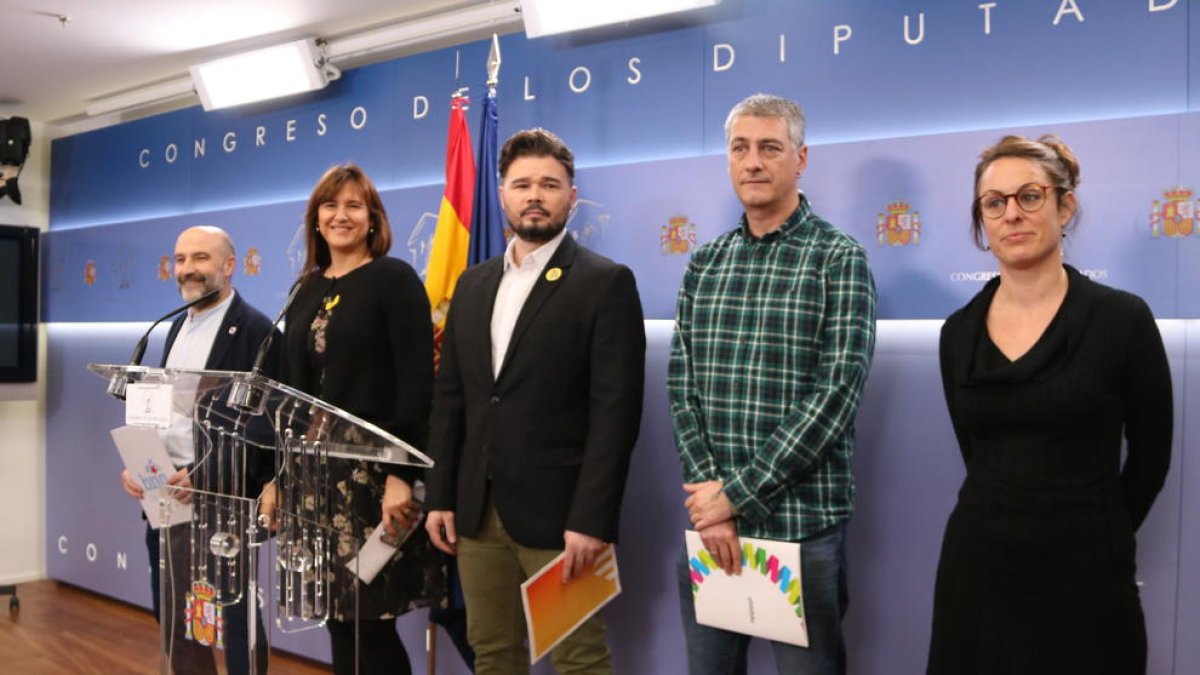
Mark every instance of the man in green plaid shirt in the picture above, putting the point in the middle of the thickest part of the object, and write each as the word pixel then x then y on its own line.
pixel 775 328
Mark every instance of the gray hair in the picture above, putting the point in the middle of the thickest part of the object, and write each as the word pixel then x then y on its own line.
pixel 769 105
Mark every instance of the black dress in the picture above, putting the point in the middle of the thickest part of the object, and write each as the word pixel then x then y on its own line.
pixel 1038 561
pixel 364 342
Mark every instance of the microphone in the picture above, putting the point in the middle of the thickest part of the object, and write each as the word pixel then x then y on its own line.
pixel 116 386
pixel 260 358
pixel 245 395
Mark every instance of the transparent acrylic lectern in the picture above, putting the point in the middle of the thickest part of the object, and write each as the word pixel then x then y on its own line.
pixel 240 421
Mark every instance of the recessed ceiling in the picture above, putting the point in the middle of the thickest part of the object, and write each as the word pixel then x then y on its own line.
pixel 58 55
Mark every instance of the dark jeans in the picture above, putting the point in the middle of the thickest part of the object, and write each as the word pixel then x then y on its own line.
pixel 712 651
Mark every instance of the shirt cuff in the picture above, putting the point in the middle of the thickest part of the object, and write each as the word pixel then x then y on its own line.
pixel 745 504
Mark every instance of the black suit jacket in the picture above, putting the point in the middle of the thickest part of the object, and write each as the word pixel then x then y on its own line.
pixel 237 341
pixel 234 348
pixel 551 436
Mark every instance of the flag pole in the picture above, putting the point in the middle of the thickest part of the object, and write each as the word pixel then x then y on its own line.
pixel 493 64
pixel 450 251
pixel 493 71
pixel 488 222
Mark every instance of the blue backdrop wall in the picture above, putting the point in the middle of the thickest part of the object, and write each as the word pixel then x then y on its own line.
pixel 901 95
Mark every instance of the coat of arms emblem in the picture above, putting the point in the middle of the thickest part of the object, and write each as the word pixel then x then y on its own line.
pixel 678 235
pixel 900 226
pixel 203 616
pixel 1175 215
pixel 253 261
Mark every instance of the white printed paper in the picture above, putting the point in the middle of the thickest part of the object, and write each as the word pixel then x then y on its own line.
pixel 148 404
pixel 766 600
pixel 146 459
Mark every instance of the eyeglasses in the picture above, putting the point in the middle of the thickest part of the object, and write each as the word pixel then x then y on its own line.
pixel 1030 198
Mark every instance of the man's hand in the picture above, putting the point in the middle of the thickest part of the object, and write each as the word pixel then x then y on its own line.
pixel 721 540
pixel 440 525
pixel 400 510
pixel 266 506
pixel 580 552
pixel 131 487
pixel 707 504
pixel 180 479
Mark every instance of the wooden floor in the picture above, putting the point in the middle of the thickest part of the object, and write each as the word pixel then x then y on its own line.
pixel 60 628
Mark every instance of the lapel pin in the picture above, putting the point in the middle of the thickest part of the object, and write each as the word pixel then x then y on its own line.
pixel 233 330
pixel 554 274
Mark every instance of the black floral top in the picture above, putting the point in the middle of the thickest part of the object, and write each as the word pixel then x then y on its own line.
pixel 363 342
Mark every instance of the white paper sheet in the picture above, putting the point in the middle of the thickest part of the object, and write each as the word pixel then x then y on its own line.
pixel 375 552
pixel 146 459
pixel 766 600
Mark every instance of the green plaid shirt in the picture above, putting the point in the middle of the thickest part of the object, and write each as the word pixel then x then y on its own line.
pixel 773 341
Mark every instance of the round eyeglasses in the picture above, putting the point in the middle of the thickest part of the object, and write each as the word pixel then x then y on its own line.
pixel 1030 197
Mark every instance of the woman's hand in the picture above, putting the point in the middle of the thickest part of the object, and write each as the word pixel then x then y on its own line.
pixel 400 510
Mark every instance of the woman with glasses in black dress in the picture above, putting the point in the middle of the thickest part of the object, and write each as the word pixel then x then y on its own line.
pixel 1045 374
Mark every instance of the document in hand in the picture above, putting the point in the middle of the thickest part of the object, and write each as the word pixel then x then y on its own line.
pixel 553 610
pixel 380 548
pixel 765 600
pixel 146 458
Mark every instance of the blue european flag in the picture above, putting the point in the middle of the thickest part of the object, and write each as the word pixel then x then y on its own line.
pixel 487 220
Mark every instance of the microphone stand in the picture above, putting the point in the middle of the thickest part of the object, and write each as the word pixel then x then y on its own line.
pixel 118 383
pixel 246 393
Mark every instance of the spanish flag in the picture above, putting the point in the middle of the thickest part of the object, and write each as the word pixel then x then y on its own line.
pixel 451 239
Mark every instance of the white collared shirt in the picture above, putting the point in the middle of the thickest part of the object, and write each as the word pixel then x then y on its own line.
pixel 515 286
pixel 190 350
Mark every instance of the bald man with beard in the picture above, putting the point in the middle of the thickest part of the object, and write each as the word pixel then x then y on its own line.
pixel 222 333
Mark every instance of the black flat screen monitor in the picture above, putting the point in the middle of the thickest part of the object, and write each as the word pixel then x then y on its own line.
pixel 18 303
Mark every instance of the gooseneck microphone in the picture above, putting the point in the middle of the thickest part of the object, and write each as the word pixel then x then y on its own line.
pixel 260 358
pixel 139 350
pixel 246 394
pixel 116 386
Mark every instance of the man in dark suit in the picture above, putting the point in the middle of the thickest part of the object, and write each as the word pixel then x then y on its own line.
pixel 536 410
pixel 223 333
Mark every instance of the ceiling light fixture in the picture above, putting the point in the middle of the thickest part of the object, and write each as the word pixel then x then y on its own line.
pixel 494 16
pixel 263 74
pixel 548 17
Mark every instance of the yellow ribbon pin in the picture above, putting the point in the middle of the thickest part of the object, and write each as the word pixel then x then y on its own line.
pixel 330 304
pixel 554 274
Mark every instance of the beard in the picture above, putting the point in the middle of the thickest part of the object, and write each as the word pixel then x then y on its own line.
pixel 190 293
pixel 539 233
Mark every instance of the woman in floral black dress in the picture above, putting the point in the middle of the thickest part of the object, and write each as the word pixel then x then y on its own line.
pixel 359 336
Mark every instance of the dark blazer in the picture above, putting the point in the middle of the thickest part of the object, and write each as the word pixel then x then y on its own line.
pixel 237 341
pixel 550 438
pixel 236 344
